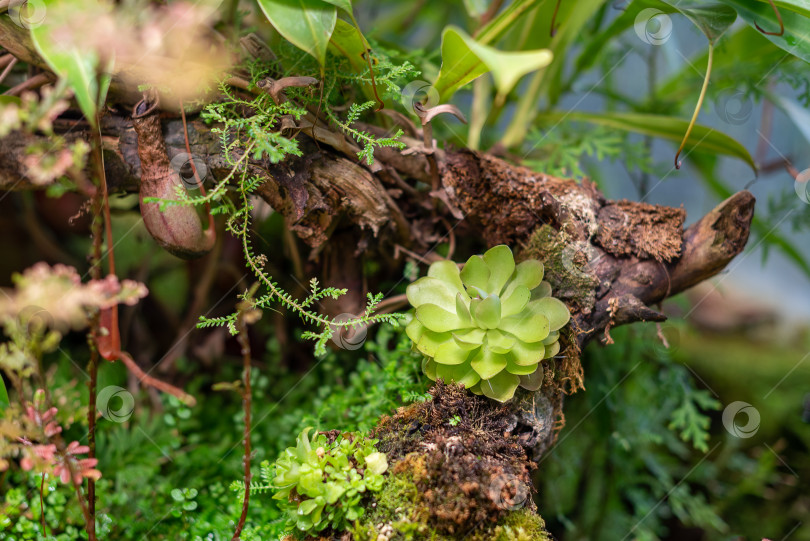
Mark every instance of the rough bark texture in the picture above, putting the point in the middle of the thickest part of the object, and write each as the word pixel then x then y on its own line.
pixel 608 260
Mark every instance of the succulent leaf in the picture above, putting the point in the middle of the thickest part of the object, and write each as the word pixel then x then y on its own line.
pixel 488 363
pixel 447 271
pixel 501 387
pixel 475 273
pixel 488 312
pixel 488 325
pixel 431 290
pixel 501 266
pixel 437 319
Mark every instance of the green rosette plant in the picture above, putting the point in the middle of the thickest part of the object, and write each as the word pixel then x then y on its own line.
pixel 322 484
pixel 487 326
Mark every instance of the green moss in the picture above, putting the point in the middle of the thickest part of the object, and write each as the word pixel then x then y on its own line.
pixel 566 265
pixel 398 513
pixel 521 525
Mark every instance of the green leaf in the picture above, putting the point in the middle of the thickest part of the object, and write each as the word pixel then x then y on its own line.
pixel 438 319
pixel 533 381
pixel 345 5
pixel 447 271
pixel 462 373
pixel 431 290
pixel 501 387
pixel 501 265
pixel 429 342
pixel 713 20
pixel 3 396
pixel 554 309
pixel 449 353
pixel 524 354
pixel 68 61
pixel 307 24
pixel 500 342
pixel 464 59
pixel 702 137
pixel 488 363
pixel 475 273
pixel 516 302
pixel 794 16
pixel 488 312
pixel 528 328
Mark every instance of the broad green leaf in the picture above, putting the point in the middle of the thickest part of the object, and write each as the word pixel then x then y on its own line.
pixel 66 58
pixel 447 271
pixel 528 273
pixel 462 308
pixel 524 354
pixel 307 24
pixel 533 381
pixel 500 342
pixel 429 368
pixel 345 5
pixel 713 20
pixel 528 328
pixel 470 339
pixel 475 273
pixel 488 363
pixel 347 41
pixel 431 290
pixel 516 302
pixel 518 369
pixel 551 338
pixel 501 265
pixel 554 309
pixel 795 39
pixel 438 319
pixel 429 341
pixel 488 312
pixel 464 59
pixel 460 373
pixel 501 387
pixel 552 350
pixel 450 353
pixel 702 137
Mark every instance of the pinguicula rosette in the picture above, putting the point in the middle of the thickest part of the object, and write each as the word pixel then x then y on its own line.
pixel 487 326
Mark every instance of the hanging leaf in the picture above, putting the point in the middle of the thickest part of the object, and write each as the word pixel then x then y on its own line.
pixel 702 137
pixel 307 24
pixel 464 59
pixel 795 17
pixel 70 61
pixel 713 20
